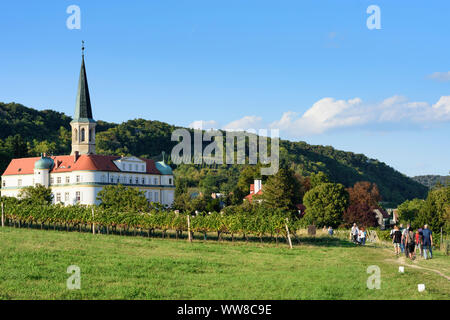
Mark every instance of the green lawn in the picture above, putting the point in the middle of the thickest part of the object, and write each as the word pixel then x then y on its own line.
pixel 33 265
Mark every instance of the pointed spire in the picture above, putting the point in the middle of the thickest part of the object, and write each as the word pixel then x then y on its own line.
pixel 83 110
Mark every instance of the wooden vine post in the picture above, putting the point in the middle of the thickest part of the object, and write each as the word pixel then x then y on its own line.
pixel 3 217
pixel 189 228
pixel 93 224
pixel 287 232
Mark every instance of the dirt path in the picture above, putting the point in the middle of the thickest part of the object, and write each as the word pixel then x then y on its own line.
pixel 402 261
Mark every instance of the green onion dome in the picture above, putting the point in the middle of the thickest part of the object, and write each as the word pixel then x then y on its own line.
pixel 44 163
pixel 163 167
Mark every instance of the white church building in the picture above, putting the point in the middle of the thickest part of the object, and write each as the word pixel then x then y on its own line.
pixel 77 178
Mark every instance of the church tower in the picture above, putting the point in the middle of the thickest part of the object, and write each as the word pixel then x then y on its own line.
pixel 83 125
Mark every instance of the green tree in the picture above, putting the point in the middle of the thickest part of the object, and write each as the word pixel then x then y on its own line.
pixel 318 178
pixel 325 204
pixel 125 199
pixel 282 190
pixel 410 210
pixel 36 195
pixel 435 209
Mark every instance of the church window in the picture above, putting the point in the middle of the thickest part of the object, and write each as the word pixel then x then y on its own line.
pixel 170 181
pixel 83 135
pixel 90 135
pixel 76 135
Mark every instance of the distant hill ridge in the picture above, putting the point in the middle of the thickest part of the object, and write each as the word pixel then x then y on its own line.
pixel 27 132
pixel 431 180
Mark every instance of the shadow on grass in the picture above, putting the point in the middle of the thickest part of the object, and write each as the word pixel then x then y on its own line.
pixel 321 241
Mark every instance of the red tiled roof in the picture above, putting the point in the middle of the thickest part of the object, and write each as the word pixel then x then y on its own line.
pixel 92 162
pixel 250 196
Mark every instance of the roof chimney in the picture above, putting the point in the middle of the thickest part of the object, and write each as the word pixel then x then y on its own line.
pixel 257 186
pixel 76 155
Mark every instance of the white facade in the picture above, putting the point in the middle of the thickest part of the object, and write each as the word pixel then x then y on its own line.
pixel 83 186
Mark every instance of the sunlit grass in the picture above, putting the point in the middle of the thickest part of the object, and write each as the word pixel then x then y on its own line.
pixel 33 265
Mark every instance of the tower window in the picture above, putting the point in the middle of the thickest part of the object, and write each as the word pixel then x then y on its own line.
pixel 83 135
pixel 76 135
pixel 90 135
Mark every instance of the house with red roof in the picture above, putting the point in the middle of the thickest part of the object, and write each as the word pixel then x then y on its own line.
pixel 78 177
pixel 255 190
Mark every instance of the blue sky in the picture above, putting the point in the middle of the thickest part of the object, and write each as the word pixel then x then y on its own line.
pixel 309 68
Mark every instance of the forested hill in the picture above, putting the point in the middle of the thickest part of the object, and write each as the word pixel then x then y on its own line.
pixel 27 132
pixel 431 180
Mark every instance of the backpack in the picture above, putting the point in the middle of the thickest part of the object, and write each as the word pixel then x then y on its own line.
pixel 411 237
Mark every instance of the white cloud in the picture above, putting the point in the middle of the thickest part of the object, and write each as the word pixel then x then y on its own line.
pixel 328 113
pixel 245 123
pixel 440 76
pixel 205 125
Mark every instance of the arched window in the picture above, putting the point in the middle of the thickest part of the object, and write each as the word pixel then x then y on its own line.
pixel 76 135
pixel 83 137
pixel 90 135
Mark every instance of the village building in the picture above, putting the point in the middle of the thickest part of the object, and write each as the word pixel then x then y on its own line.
pixel 77 178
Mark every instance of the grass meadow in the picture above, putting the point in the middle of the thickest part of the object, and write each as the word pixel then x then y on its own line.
pixel 33 265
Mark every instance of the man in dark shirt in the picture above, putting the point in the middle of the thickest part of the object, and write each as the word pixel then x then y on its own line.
pixel 427 242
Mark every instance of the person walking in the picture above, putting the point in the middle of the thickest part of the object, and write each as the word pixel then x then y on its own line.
pixel 355 233
pixel 402 248
pixel 417 241
pixel 330 231
pixel 421 241
pixel 427 242
pixel 362 236
pixel 397 240
pixel 404 235
pixel 410 243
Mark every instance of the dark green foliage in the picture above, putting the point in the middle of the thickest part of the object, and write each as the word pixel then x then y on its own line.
pixel 36 195
pixel 282 191
pixel 325 204
pixel 434 211
pixel 123 199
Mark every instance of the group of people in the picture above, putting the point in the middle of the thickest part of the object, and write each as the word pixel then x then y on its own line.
pixel 359 236
pixel 408 241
